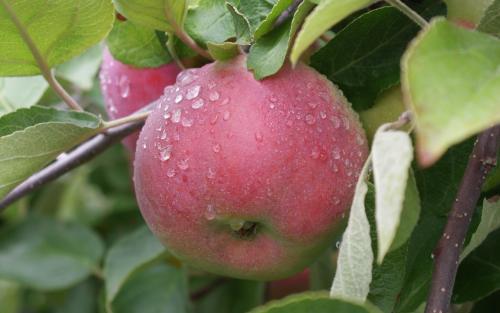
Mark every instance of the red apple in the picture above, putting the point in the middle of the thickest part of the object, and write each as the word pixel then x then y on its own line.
pixel 127 89
pixel 281 288
pixel 248 178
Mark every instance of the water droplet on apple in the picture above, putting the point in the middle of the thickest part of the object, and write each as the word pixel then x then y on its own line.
pixel 213 96
pixel 171 172
pixel 187 122
pixel 124 85
pixel 168 90
pixel 164 135
pixel 310 119
pixel 226 115
pixel 315 153
pixel 197 104
pixel 178 98
pixel 322 114
pixel 186 77
pixel 176 116
pixel 335 121
pixel 183 164
pixel 336 153
pixel 216 148
pixel 193 92
pixel 210 173
pixel 166 153
pixel 313 105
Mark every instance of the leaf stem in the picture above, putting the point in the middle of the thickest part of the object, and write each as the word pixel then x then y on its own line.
pixel 414 16
pixel 447 252
pixel 39 59
pixel 136 117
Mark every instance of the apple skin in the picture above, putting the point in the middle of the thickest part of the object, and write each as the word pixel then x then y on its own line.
pixel 279 289
pixel 282 155
pixel 127 89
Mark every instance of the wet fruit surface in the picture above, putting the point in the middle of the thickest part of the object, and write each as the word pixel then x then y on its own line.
pixel 248 178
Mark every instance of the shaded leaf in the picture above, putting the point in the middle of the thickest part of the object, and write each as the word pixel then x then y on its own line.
pixel 490 23
pixel 147 13
pixel 210 21
pixel 20 92
pixel 82 70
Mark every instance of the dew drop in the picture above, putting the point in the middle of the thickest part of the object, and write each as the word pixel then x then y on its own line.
pixel 226 115
pixel 336 153
pixel 183 164
pixel 225 101
pixel 322 114
pixel 187 122
pixel 213 96
pixel 167 115
pixel 176 116
pixel 315 153
pixel 336 200
pixel 273 98
pixel 168 90
pixel 259 137
pixel 313 105
pixel 144 146
pixel 216 148
pixel 193 92
pixel 210 212
pixel 197 104
pixel 178 98
pixel 164 135
pixel 210 173
pixel 171 172
pixel 335 121
pixel 166 107
pixel 124 85
pixel 186 77
pixel 166 153
pixel 310 119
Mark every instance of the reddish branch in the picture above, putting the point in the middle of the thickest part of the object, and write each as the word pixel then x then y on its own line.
pixel 83 153
pixel 447 252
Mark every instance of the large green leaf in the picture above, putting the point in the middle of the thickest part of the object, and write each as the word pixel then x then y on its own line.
pixel 324 16
pixel 451 83
pixel 20 92
pixel 60 29
pixel 147 13
pixel 127 256
pixel 31 138
pixel 156 289
pixel 210 21
pixel 46 254
pixel 137 45
pixel 317 302
pixel 354 266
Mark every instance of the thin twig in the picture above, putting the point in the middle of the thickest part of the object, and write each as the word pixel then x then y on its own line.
pixel 83 153
pixel 135 117
pixel 406 10
pixel 447 252
pixel 39 59
pixel 287 13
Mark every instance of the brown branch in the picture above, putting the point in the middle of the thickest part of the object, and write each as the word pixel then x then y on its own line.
pixel 447 252
pixel 83 153
pixel 287 13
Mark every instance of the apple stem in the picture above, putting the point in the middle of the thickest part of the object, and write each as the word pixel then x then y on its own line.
pixel 406 10
pixel 47 73
pixel 447 252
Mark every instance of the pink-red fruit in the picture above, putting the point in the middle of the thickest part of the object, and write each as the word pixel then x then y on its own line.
pixel 248 178
pixel 127 89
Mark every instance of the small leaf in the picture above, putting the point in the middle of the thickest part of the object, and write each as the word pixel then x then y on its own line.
pixel 44 254
pixel 137 45
pixel 451 83
pixel 354 265
pixel 490 23
pixel 490 221
pixel 392 155
pixel 31 138
pixel 127 256
pixel 223 51
pixel 61 30
pixel 20 92
pixel 317 302
pixel 267 24
pixel 157 289
pixel 324 16
pixel 81 71
pixel 242 25
pixel 147 13
pixel 210 21
pixel 268 54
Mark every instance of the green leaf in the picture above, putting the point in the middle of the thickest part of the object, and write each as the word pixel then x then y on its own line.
pixel 175 12
pixel 354 265
pixel 317 302
pixel 392 155
pixel 44 254
pixel 147 13
pixel 257 11
pixel 137 45
pixel 490 23
pixel 388 279
pixel 61 30
pixel 127 256
pixel 242 25
pixel 470 11
pixel 451 83
pixel 267 24
pixel 479 273
pixel 82 70
pixel 20 92
pixel 82 298
pixel 10 297
pixel 223 51
pixel 490 221
pixel 372 64
pixel 157 289
pixel 210 21
pixel 31 138
pixel 268 54
pixel 324 16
